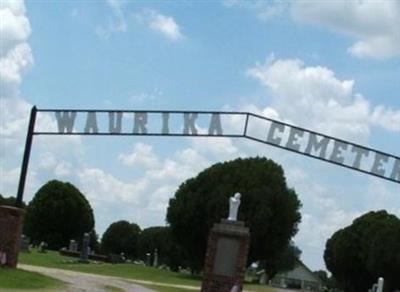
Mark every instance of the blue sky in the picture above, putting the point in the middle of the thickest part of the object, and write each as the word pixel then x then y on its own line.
pixel 332 67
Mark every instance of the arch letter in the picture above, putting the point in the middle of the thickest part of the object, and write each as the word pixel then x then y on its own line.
pixel 313 143
pixel 91 123
pixel 271 138
pixel 115 122
pixel 359 153
pixel 215 125
pixel 65 121
pixel 396 170
pixel 336 154
pixel 377 166
pixel 293 138
pixel 165 120
pixel 140 123
pixel 189 126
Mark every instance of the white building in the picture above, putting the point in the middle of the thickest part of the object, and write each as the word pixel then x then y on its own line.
pixel 300 277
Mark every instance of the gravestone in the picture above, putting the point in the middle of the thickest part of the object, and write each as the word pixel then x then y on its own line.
pixel 84 257
pixel 73 245
pixel 155 260
pixel 3 258
pixel 117 258
pixel 123 258
pixel 43 247
pixel 377 287
pixel 24 245
pixel 226 257
pixel 148 256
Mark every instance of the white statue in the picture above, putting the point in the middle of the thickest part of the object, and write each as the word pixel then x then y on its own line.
pixel 234 203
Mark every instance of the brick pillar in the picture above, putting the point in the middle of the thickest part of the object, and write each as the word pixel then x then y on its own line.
pixel 11 220
pixel 226 258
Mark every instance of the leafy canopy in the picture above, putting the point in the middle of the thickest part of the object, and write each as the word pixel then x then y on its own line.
pixel 268 207
pixel 159 237
pixel 57 213
pixel 364 251
pixel 121 237
pixel 9 201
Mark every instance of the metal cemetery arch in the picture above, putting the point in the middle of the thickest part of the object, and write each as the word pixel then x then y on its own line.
pixel 278 134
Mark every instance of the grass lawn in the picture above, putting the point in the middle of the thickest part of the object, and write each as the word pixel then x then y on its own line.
pixel 110 288
pixel 135 272
pixel 23 280
pixel 166 289
pixel 55 260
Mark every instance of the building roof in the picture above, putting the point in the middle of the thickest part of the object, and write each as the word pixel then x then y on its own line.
pixel 301 272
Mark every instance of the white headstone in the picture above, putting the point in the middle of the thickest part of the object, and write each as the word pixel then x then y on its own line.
pixel 155 260
pixel 234 203
pixel 380 285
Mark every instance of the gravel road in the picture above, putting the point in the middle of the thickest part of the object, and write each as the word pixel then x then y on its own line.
pixel 82 282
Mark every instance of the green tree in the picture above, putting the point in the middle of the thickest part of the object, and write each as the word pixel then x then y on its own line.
pixel 121 237
pixel 323 275
pixel 284 260
pixel 94 241
pixel 364 251
pixel 159 237
pixel 9 201
pixel 268 207
pixel 57 213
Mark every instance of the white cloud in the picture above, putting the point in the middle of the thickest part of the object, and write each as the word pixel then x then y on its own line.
pixel 12 65
pixel 374 24
pixel 15 58
pixel 14 25
pixel 15 53
pixel 145 97
pixel 141 156
pixel 314 97
pixel 387 118
pixel 215 146
pixel 265 10
pixel 115 24
pixel 184 164
pixel 325 211
pixel 166 25
pixel 13 122
pixel 9 177
pixel 147 194
pixel 100 186
pixel 63 169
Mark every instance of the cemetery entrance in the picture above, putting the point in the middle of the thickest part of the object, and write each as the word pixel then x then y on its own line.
pixel 217 124
pixel 194 124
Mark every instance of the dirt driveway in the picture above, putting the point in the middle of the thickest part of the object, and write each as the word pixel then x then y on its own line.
pixel 82 282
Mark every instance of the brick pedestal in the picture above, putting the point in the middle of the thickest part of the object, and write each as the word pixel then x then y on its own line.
pixel 226 258
pixel 11 220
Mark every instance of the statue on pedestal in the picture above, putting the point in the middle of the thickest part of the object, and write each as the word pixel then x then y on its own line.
pixel 234 203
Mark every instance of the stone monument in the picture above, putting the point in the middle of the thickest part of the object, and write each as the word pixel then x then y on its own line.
pixel 84 258
pixel 24 244
pixel 234 203
pixel 148 256
pixel 42 247
pixel 10 234
pixel 155 259
pixel 73 245
pixel 226 257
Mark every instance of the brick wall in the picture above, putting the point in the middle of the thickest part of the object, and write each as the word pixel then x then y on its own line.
pixel 11 220
pixel 235 231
